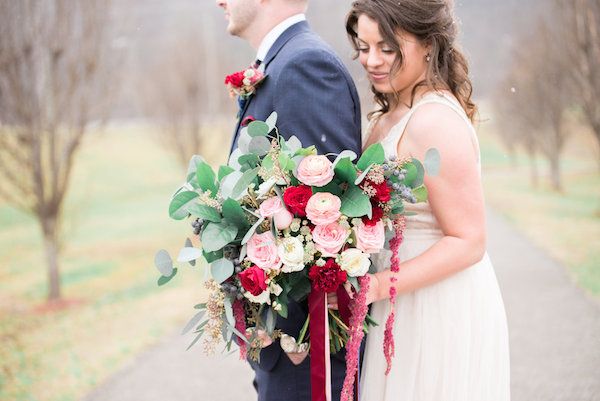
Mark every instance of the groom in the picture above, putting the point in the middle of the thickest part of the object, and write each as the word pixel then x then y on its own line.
pixel 316 100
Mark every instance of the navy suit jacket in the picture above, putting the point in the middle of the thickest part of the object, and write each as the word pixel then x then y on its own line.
pixel 316 100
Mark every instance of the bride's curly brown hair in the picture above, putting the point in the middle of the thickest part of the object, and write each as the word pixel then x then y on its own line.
pixel 433 23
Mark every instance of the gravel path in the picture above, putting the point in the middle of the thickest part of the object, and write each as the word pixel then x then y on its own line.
pixel 554 339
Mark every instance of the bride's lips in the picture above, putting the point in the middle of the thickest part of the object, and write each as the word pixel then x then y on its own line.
pixel 378 76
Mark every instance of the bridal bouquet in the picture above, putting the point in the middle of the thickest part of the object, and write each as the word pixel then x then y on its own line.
pixel 281 222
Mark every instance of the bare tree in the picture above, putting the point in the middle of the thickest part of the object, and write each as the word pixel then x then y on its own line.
pixel 545 94
pixel 52 85
pixel 580 20
pixel 184 90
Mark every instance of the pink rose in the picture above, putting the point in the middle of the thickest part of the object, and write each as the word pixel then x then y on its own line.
pixel 262 251
pixel 370 239
pixel 315 170
pixel 329 238
pixel 273 207
pixel 323 208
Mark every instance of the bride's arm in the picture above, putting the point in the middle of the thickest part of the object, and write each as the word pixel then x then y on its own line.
pixel 455 197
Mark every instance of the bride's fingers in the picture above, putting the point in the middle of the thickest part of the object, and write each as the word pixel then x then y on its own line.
pixel 332 301
pixel 348 288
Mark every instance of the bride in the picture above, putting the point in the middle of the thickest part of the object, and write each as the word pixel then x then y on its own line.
pixel 450 332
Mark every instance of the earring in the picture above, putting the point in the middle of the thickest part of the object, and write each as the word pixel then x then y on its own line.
pixel 428 58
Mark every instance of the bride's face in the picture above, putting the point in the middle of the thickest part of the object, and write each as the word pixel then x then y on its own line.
pixel 378 57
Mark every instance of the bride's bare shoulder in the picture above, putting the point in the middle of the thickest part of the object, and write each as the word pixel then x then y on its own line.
pixel 437 125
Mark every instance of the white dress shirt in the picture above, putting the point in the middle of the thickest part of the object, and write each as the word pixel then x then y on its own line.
pixel 275 33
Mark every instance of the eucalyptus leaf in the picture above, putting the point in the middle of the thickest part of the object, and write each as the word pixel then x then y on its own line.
pixel 237 333
pixel 420 193
pixel 224 171
pixel 345 170
pixel 248 161
pixel 355 203
pixel 233 158
pixel 259 146
pixel 163 262
pixel 332 187
pixel 252 230
pixel 179 204
pixel 194 321
pixel 212 256
pixel 258 128
pixel 241 187
pixel 221 270
pixel 229 182
pixel 243 140
pixel 420 174
pixel 188 244
pixel 205 212
pixel 206 178
pixel 216 235
pixel 374 154
pixel 345 154
pixel 164 280
pixel 411 174
pixel 234 213
pixel 286 163
pixel 271 121
pixel 363 175
pixel 294 144
pixel 432 162
pixel 229 311
pixel 186 254
pixel 193 165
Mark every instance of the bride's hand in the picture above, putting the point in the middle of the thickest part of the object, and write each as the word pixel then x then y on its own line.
pixel 262 335
pixel 332 299
pixel 373 293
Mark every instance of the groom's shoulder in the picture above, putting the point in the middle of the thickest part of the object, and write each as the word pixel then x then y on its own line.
pixel 308 47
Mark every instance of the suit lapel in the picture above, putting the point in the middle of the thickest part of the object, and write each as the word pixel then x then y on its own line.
pixel 288 34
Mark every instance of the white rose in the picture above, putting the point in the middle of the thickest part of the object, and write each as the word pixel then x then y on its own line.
pixel 291 253
pixel 355 262
pixel 246 81
pixel 249 73
pixel 263 298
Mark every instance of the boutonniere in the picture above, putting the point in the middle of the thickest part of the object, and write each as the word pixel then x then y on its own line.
pixel 244 83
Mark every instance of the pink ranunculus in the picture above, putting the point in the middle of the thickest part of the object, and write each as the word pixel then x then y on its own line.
pixel 274 208
pixel 323 208
pixel 262 251
pixel 370 239
pixel 329 238
pixel 315 171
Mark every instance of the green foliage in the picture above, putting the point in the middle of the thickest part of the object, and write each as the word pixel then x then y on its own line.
pixel 345 170
pixel 373 154
pixel 355 203
pixel 206 178
pixel 216 235
pixel 204 212
pixel 179 204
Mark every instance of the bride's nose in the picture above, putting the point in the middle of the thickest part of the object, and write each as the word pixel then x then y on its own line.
pixel 374 58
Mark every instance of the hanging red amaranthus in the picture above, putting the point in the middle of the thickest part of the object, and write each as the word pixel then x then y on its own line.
pixel 359 309
pixel 388 336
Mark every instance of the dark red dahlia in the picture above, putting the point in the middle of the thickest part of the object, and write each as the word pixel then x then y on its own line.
pixel 327 278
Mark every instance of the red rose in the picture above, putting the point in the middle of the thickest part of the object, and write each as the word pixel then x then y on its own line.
pixel 253 280
pixel 327 278
pixel 383 192
pixel 236 79
pixel 376 215
pixel 296 198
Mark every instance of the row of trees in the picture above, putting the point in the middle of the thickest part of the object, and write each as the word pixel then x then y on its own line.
pixel 554 80
pixel 55 80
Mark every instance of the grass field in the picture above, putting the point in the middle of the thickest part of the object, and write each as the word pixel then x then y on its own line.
pixel 567 224
pixel 116 220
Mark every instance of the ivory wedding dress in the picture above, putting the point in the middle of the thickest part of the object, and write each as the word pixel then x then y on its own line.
pixel 451 337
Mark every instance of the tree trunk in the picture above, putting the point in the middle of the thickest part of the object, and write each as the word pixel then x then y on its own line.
pixel 555 178
pixel 52 252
